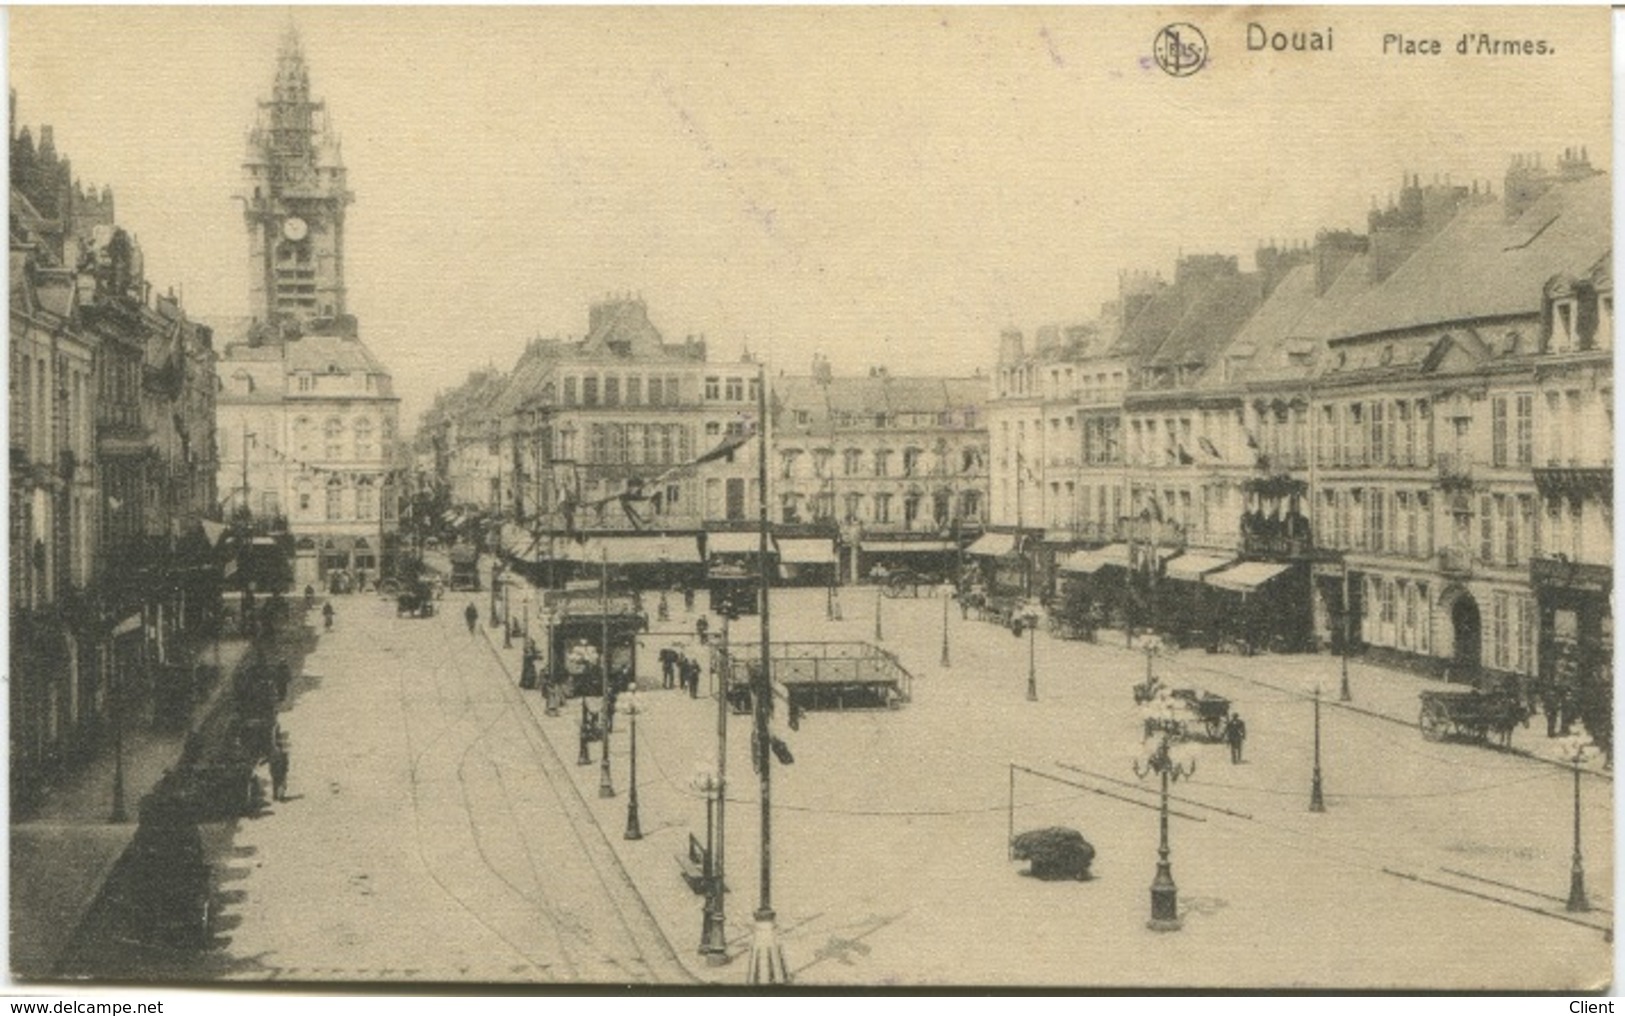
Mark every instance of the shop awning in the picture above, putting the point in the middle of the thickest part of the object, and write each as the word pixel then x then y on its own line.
pixel 993 545
pixel 1087 562
pixel 645 549
pixel 1247 576
pixel 909 546
pixel 735 543
pixel 814 551
pixel 1191 567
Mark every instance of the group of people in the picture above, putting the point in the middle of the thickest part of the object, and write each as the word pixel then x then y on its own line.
pixel 678 670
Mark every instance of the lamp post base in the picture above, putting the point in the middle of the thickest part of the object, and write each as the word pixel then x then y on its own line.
pixel 767 964
pixel 713 937
pixel 1578 902
pixel 1164 901
pixel 1032 690
pixel 606 788
pixel 634 830
pixel 1317 798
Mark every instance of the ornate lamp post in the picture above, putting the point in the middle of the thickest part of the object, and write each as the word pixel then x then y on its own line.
pixel 631 704
pixel 606 785
pixel 550 673
pixel 880 589
pixel 1167 759
pixel 1317 800
pixel 1344 693
pixel 1028 618
pixel 1574 750
pixel 713 940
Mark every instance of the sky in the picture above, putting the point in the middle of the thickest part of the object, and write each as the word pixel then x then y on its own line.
pixel 885 186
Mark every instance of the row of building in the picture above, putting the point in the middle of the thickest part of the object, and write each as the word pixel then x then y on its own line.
pixel 1399 439
pixel 112 474
pixel 1407 432
pixel 591 445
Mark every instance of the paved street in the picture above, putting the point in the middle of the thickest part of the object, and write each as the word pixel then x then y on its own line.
pixel 435 834
pixel 430 833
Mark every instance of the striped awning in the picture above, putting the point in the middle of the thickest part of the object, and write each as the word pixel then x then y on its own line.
pixel 815 551
pixel 1191 567
pixel 908 546
pixel 735 543
pixel 1087 562
pixel 993 545
pixel 1247 576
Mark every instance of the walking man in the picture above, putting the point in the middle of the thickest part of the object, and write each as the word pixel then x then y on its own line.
pixel 668 667
pixel 472 615
pixel 279 768
pixel 327 615
pixel 1235 733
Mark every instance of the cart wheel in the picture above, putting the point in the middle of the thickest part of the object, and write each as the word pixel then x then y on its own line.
pixel 1430 726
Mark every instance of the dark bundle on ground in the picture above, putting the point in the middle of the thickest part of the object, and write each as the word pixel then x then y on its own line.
pixel 1055 853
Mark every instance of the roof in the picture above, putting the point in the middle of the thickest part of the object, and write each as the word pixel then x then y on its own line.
pixel 324 353
pixel 1481 266
pixel 1215 310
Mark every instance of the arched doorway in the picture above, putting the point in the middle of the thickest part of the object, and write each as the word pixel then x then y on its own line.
pixel 1467 629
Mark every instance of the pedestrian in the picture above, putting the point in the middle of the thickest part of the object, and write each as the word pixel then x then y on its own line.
pixel 279 768
pixel 688 597
pixel 668 666
pixel 1235 733
pixel 327 615
pixel 472 616
pixel 310 596
pixel 692 672
pixel 1548 705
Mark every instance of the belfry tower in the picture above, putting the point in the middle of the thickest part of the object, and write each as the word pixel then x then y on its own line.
pixel 294 194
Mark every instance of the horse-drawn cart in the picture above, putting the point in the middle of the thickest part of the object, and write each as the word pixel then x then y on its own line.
pixel 1470 715
pixel 905 582
pixel 1183 712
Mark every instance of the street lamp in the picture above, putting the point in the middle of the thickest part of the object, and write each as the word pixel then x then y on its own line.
pixel 880 590
pixel 1574 751
pixel 1028 618
pixel 713 939
pixel 1317 800
pixel 947 595
pixel 1161 760
pixel 631 704
pixel 1344 693
pixel 606 786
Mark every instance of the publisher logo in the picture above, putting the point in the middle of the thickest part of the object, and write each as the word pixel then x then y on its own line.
pixel 1180 49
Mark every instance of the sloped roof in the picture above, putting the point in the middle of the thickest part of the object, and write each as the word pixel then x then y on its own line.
pixel 1481 266
pixel 1215 310
pixel 321 353
pixel 536 365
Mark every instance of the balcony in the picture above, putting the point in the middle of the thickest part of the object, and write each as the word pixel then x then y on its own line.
pixel 1575 482
pixel 1455 562
pixel 1455 470
pixel 1277 547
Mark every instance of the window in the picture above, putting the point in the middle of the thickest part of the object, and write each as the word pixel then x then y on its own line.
pixel 612 390
pixel 1486 529
pixel 333 430
pixel 713 428
pixel 1500 631
pixel 673 393
pixel 1498 431
pixel 791 504
pixel 755 388
pixel 1375 529
pixel 589 390
pixel 911 461
pixel 882 461
pixel 821 460
pixel 364 447
pixel 713 388
pixel 854 507
pixel 335 501
pixel 1381 453
pixel 570 391
pixel 788 458
pixel 736 389
pixel 851 459
pixel 304 500
pixel 366 501
pixel 1528 628
pixel 634 390
pixel 882 507
pixel 1406 453
pixel 1525 429
pixel 655 391
pixel 911 510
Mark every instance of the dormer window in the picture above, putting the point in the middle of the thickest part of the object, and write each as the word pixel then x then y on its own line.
pixel 1605 322
pixel 1563 326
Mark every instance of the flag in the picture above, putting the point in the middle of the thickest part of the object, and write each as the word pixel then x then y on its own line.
pixel 1185 457
pixel 1252 442
pixel 729 445
pixel 1207 446
pixel 128 625
pixel 230 569
pixel 212 531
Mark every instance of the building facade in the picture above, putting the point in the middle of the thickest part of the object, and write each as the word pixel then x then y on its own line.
pixel 112 473
pixel 1371 440
pixel 307 415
